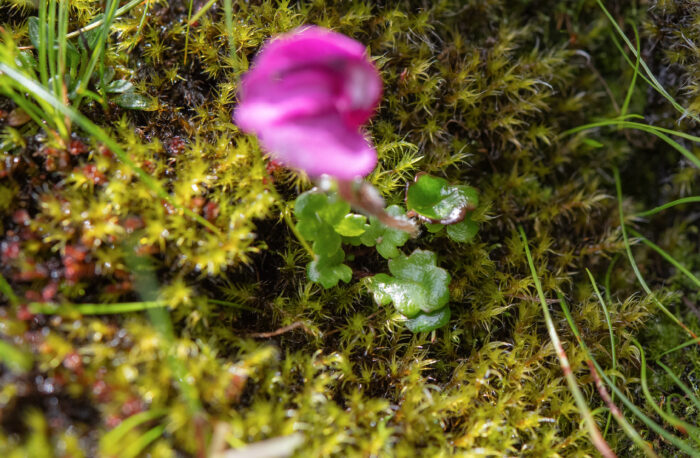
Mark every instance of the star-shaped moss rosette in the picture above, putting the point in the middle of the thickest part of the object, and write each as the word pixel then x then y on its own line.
pixel 438 204
pixel 418 289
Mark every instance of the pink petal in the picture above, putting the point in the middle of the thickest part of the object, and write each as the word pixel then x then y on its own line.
pixel 321 144
pixel 306 96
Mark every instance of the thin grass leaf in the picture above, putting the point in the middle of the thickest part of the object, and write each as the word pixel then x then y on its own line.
pixel 32 87
pixel 687 343
pixel 95 309
pixel 612 339
pixel 228 18
pixel 658 131
pixel 135 448
pixel 593 431
pixel 667 257
pixel 630 89
pixel 654 82
pixel 692 430
pixel 628 429
pixel 110 441
pixel 201 11
pixel 633 263
pixel 660 208
pixel 98 50
pixel 15 358
pixel 6 290
pixel 688 392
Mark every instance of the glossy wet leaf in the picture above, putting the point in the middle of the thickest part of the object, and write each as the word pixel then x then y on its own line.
pixel 133 101
pixel 434 200
pixel 416 285
pixel 464 231
pixel 386 239
pixel 426 322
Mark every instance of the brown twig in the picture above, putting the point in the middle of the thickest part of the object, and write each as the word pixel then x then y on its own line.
pixel 267 335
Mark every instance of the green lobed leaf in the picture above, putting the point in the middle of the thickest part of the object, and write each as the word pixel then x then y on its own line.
pixel 351 226
pixel 463 231
pixel 416 285
pixel 328 270
pixel 426 322
pixel 386 239
pixel 434 200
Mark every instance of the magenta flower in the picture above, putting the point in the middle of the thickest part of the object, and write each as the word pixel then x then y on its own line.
pixel 306 97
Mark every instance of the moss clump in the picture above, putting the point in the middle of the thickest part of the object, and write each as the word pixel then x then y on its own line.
pixel 476 92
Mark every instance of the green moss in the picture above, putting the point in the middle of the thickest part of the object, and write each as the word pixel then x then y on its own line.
pixel 476 92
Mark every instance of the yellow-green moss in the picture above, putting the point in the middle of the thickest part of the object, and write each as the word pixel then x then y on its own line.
pixel 475 91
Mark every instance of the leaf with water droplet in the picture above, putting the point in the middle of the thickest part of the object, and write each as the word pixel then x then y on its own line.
pixel 134 101
pixel 464 231
pixel 426 322
pixel 416 285
pixel 434 200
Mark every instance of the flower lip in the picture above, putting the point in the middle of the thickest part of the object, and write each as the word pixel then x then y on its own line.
pixel 306 97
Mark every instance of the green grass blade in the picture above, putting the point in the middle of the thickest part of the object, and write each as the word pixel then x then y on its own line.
pixel 692 430
pixel 95 309
pixel 688 392
pixel 98 22
pixel 660 208
pixel 608 275
pixel 99 49
pixel 14 358
pixel 621 420
pixel 654 82
pixel 187 32
pixel 228 16
pixel 110 441
pixel 630 89
pixel 201 11
pixel 633 263
pixel 585 412
pixel 37 91
pixel 687 343
pixel 6 290
pixel 667 257
pixel 612 339
pixel 135 448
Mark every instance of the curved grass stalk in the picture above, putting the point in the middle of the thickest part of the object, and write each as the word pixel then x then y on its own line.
pixel 652 79
pixel 593 431
pixel 688 392
pixel 110 441
pixel 608 275
pixel 658 131
pixel 630 89
pixel 612 340
pixel 617 414
pixel 692 430
pixel 6 289
pixel 667 257
pixel 633 263
pixel 687 343
pixel 660 208
pixel 114 308
pixel 201 11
